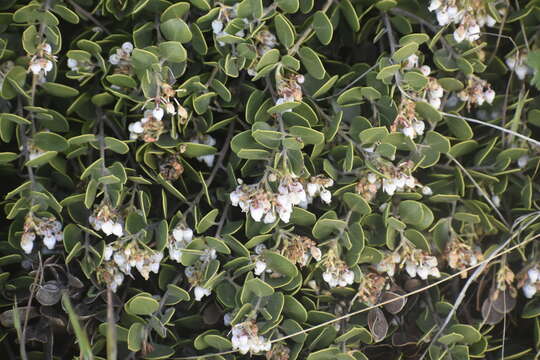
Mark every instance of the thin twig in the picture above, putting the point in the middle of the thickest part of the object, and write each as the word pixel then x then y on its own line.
pixel 88 15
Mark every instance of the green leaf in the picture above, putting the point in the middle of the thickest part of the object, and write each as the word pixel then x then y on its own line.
pixel 323 27
pixel 259 287
pixel 173 51
pixel 207 221
pixel 280 264
pixel 175 11
pixel 15 119
pixel 59 90
pixel 469 333
pixel 284 30
pixel 411 211
pixel 372 135
pixel 405 51
pixel 308 135
pixel 50 141
pixel 356 203
pixel 289 6
pixel 142 305
pixel 311 62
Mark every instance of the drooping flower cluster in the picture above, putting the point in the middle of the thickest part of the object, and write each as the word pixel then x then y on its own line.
pixel 469 16
pixel 225 16
pixel 477 92
pixel 412 62
pixel 245 338
pixel 417 262
pixel 517 62
pixel 370 288
pixel 107 219
pixel 42 62
pixel 180 237
pixel 266 41
pixel 120 257
pixel 121 59
pixel 300 249
pixel 434 92
pixel 406 120
pixel 260 264
pixel 48 228
pixel 289 88
pixel 530 281
pixel 460 256
pixel 170 167
pixel 396 178
pixel 195 272
pixel 149 128
pixel 420 263
pixel 263 204
pixel 210 141
pixel 80 65
pixel 336 272
pixel 168 100
pixel 278 352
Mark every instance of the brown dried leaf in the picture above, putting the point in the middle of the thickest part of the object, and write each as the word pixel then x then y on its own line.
pixel 395 306
pixel 377 324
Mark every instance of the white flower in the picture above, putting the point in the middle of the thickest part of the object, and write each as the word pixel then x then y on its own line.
pixel 256 213
pixel 326 196
pixel 208 159
pixel 389 186
pixel 511 62
pixel 490 21
pixel 217 26
pixel 227 318
pixel 533 274
pixel 178 234
pixel 443 18
pixel 408 131
pixel 127 47
pixel 107 227
pixel 522 161
pixel 521 71
pixel 460 34
pixel 235 197
pixel 316 253
pixel 411 268
pixel 188 234
pixel 201 292
pixel 72 63
pixel 114 59
pixel 117 229
pixel 27 245
pixel 260 267
pixel 49 241
pixel 269 218
pixel 119 259
pixel 489 95
pixel 312 189
pixel 425 69
pixel 158 113
pixel 348 277
pixel 426 190
pixel 423 272
pixel 434 5
pixel 107 253
pixel 35 68
pixel 259 249
pixel 419 127
pixel 529 290
pixel 496 200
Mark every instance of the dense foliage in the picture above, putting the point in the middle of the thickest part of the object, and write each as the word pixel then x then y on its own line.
pixel 298 179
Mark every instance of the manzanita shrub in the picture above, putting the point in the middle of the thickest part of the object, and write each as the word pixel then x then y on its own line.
pixel 298 179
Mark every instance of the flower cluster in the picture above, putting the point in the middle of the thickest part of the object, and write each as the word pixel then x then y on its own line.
pixel 417 262
pixel 266 41
pixel 121 59
pixel 469 16
pixel 48 228
pixel 289 88
pixel 149 128
pixel 263 204
pixel 167 98
pixel 171 167
pixel 107 219
pixel 42 62
pixel 530 281
pixel 260 264
pixel 396 178
pixel 412 62
pixel 420 263
pixel 461 256
pixel 434 92
pixel 477 92
pixel 336 272
pixel 180 237
pixel 300 249
pixel 406 120
pixel 210 141
pixel 226 14
pixel 195 272
pixel 517 62
pixel 278 352
pixel 120 257
pixel 370 288
pixel 80 65
pixel 245 338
